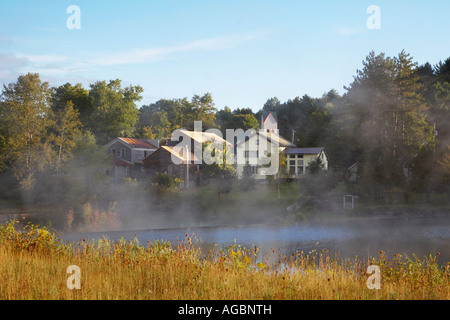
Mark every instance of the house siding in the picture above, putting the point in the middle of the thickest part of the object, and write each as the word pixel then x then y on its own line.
pixel 254 150
pixel 119 154
pixel 160 161
pixel 141 154
pixel 298 164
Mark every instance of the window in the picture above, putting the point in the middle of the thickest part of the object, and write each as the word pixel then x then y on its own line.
pixel 251 154
pixel 113 151
pixel 123 154
pixel 254 169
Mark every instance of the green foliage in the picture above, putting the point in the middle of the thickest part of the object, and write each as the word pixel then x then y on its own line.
pixel 75 94
pixel 158 120
pixel 114 110
pixel 390 119
pixel 24 119
pixel 217 162
pixel 66 127
pixel 238 119
pixel 247 182
pixel 317 182
pixel 165 184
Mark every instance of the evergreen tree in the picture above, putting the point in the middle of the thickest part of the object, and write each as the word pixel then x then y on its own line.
pixel 391 118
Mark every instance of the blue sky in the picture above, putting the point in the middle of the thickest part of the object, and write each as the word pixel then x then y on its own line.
pixel 242 52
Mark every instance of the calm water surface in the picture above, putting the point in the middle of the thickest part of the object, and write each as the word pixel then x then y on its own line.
pixel 361 238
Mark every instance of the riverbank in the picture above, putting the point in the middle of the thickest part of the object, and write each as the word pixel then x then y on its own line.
pixel 202 207
pixel 33 265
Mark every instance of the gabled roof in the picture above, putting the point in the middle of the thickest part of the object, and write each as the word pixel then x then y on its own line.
pixel 134 143
pixel 274 115
pixel 315 150
pixel 180 154
pixel 203 136
pixel 265 115
pixel 172 151
pixel 282 142
pixel 271 136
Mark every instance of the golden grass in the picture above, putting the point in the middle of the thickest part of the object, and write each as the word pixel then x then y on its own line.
pixel 33 264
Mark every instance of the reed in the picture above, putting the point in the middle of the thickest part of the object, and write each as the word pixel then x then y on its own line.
pixel 33 264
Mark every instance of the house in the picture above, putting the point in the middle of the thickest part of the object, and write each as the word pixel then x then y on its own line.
pixel 260 149
pixel 298 159
pixel 182 157
pixel 162 161
pixel 127 152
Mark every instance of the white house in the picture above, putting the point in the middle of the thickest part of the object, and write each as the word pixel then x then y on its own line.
pixel 298 159
pixel 260 149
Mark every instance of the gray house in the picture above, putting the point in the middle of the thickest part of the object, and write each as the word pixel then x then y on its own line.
pixel 127 152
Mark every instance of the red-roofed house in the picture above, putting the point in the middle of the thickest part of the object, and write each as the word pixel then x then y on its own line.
pixel 129 151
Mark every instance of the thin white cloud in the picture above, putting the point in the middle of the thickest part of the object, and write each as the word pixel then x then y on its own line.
pixel 44 59
pixel 62 65
pixel 347 31
pixel 6 40
pixel 142 55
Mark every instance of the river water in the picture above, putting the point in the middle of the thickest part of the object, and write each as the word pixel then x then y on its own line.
pixel 361 238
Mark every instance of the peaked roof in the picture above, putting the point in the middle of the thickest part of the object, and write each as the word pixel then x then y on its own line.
pixel 203 136
pixel 265 115
pixel 315 150
pixel 274 115
pixel 177 153
pixel 135 143
pixel 270 136
pixel 277 138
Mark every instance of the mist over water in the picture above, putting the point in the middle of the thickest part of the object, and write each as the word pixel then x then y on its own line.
pixel 361 238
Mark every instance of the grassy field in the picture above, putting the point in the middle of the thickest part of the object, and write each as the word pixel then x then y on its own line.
pixel 34 262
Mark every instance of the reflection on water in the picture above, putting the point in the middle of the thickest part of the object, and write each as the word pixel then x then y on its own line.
pixel 362 238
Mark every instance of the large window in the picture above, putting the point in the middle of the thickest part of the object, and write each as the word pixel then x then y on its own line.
pixel 295 164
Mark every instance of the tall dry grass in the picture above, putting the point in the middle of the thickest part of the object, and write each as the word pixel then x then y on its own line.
pixel 33 264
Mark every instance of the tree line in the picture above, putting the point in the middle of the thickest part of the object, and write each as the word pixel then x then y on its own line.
pixel 392 121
